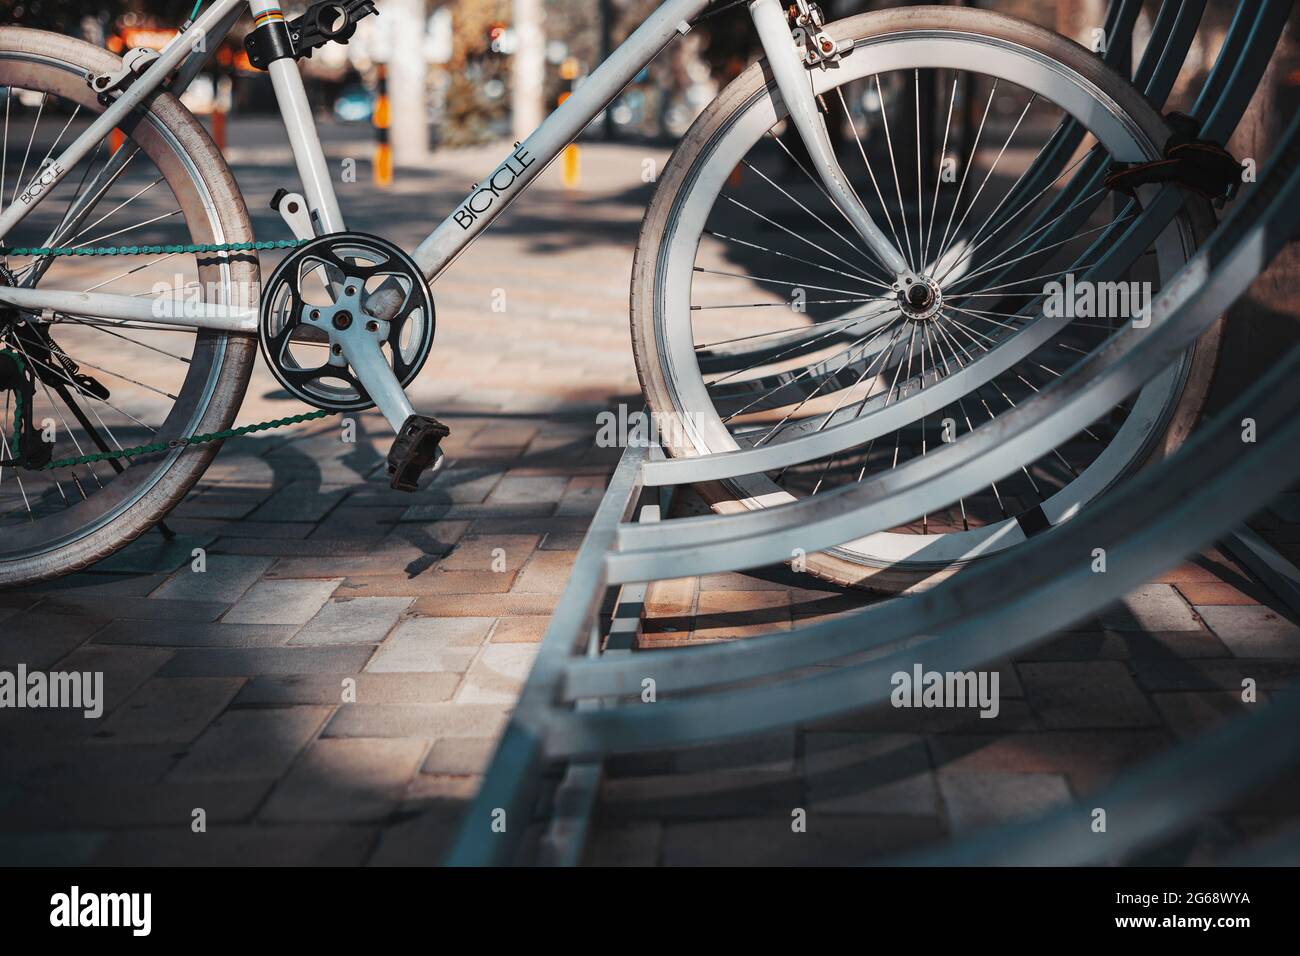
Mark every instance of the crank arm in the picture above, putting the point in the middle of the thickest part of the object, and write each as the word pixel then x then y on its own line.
pixel 796 91
pixel 415 449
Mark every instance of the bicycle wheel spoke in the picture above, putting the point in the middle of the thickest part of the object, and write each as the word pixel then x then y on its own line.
pixel 893 165
pixel 884 206
pixel 943 243
pixel 22 170
pixel 786 255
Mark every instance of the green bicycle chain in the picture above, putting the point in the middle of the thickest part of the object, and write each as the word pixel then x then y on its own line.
pixel 50 251
pixel 192 440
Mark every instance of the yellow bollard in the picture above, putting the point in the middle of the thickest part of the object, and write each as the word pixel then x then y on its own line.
pixel 383 161
pixel 569 168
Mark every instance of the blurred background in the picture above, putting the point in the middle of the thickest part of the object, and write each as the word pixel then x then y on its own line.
pixel 465 72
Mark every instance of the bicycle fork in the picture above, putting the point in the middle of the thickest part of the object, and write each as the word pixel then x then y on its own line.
pixel 794 80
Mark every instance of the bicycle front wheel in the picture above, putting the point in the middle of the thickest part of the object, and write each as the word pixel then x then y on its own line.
pixel 979 143
pixel 102 386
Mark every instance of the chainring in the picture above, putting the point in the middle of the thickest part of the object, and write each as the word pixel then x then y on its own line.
pixel 314 280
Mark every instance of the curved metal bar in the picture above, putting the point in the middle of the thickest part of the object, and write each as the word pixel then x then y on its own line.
pixel 1005 605
pixel 697 667
pixel 1184 308
pixel 1153 801
pixel 1171 38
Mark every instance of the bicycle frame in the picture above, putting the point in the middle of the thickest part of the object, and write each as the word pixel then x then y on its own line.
pixel 485 202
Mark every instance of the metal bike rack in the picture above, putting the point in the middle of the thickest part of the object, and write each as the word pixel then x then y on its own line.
pixel 582 701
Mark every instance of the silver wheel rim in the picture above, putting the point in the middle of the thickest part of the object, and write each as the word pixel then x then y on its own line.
pixel 675 341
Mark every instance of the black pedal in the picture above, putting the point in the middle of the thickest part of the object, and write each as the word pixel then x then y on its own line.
pixel 414 449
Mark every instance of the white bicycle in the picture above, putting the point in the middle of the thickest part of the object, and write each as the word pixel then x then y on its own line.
pixel 823 249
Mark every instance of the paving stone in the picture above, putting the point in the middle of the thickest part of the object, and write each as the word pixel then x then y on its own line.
pixel 49 849
pixel 82 763
pixel 239 662
pixel 329 689
pixel 345 779
pixel 195 635
pixel 250 744
pixel 152 553
pixel 673 598
pixel 460 756
pixel 463 484
pixel 495 553
pixel 513 489
pixel 38 639
pixel 700 795
pixel 1085 694
pixel 169 710
pixel 546 573
pixel 281 602
pixel 1089 759
pixel 124 668
pixel 240 845
pixel 484 605
pixel 392 562
pixel 417 720
pixel 1253 631
pixel 497 675
pixel 770 841
pixel 1200 593
pixel 631 844
pixel 137 609
pixel 133 804
pixel 1133 645
pixel 100 585
pixel 974 800
pixel 735 581
pixel 225 578
pixel 772 752
pixel 353 621
pixel 301 501
pixel 432 644
pixel 1176 675
pixel 562 540
pixel 466 582
pixel 1151 608
pixel 519 630
pixel 733 614
pixel 514 511
pixel 582 495
pixel 422 839
pixel 1192 713
pixel 869 773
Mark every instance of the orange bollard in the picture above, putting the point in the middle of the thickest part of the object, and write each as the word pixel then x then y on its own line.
pixel 569 168
pixel 383 161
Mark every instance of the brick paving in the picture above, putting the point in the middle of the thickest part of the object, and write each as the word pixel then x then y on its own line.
pixel 330 688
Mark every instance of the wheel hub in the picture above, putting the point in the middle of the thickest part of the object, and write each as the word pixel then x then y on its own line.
pixel 921 300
